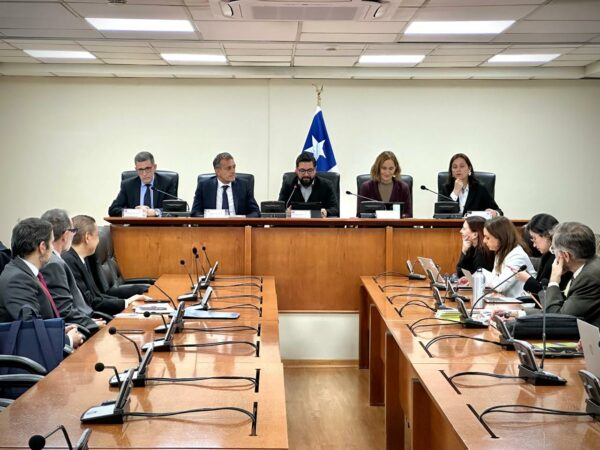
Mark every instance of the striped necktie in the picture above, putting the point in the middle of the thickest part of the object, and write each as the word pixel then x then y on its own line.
pixel 40 277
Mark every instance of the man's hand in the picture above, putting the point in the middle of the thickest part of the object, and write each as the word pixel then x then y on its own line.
pixel 136 298
pixel 76 337
pixel 557 269
pixel 323 212
pixel 101 323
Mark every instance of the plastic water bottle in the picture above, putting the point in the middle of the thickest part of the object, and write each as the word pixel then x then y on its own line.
pixel 478 287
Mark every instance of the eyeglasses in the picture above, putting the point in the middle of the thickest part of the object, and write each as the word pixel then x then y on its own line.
pixel 306 171
pixel 73 230
pixel 144 169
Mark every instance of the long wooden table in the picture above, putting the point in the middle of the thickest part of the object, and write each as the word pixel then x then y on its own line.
pixel 317 262
pixel 410 381
pixel 74 386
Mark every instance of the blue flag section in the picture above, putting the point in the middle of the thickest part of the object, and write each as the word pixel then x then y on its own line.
pixel 318 143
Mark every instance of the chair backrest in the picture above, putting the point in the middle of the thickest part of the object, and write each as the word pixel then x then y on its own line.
pixel 102 263
pixel 486 179
pixel 332 177
pixel 408 179
pixel 168 174
pixel 247 177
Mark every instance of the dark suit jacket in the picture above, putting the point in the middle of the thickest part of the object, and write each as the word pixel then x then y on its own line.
pixel 85 282
pixel 322 191
pixel 5 256
pixel 206 197
pixel 479 199
pixel 534 285
pixel 129 195
pixel 584 295
pixel 400 193
pixel 67 296
pixel 476 258
pixel 21 290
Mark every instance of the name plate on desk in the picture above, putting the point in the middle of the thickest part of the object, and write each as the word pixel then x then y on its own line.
pixel 133 212
pixel 216 213
pixel 300 214
pixel 384 214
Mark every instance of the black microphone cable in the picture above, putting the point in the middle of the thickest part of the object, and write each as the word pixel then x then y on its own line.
pixel 459 336
pixel 256 285
pixel 391 298
pixel 254 381
pixel 418 303
pixel 255 346
pixel 529 410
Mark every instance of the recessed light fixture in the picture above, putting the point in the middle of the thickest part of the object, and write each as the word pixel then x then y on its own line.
pixel 532 58
pixel 390 59
pixel 107 24
pixel 459 27
pixel 63 54
pixel 193 57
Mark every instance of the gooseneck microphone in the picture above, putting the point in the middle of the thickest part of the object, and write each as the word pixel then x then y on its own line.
pixel 170 195
pixel 362 196
pixel 425 188
pixel 166 295
pixel 521 269
pixel 99 367
pixel 38 442
pixel 206 256
pixel 287 203
pixel 193 285
pixel 113 331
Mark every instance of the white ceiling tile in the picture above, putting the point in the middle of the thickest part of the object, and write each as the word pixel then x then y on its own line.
pixel 6 46
pixel 450 64
pixel 413 2
pixel 17 59
pixel 512 64
pixel 330 53
pixel 568 63
pixel 324 61
pixel 44 45
pixel 11 52
pixel 325 46
pixel 151 35
pixel 188 45
pixel 39 15
pixel 568 10
pixel 257 58
pixel 69 61
pixel 135 2
pixel 473 13
pixel 394 51
pixel 118 49
pixel 204 13
pixel 106 10
pixel 595 39
pixel 51 33
pixel 555 26
pixel 403 14
pixel 114 43
pixel 534 50
pixel 254 64
pixel 323 37
pixel 401 48
pixel 543 37
pixel 153 62
pixel 562 47
pixel 588 50
pixel 484 2
pixel 265 45
pixel 24 43
pixel 439 38
pixel 204 51
pixel 462 58
pixel 578 57
pixel 248 31
pixel 351 27
pixel 466 51
pixel 110 55
pixel 258 52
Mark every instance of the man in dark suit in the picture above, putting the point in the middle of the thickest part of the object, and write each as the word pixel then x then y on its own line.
pixel 5 256
pixel 225 191
pixel 139 193
pixel 59 278
pixel 307 186
pixel 574 245
pixel 84 244
pixel 23 290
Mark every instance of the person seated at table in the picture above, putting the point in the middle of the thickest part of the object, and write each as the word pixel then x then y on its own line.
pixel 540 230
pixel 501 236
pixel 463 187
pixel 5 256
pixel 139 193
pixel 474 254
pixel 225 191
pixel 308 187
pixel 24 293
pixel 59 278
pixel 84 244
pixel 385 184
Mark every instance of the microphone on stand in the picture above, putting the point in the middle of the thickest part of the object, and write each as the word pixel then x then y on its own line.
pixel 362 196
pixel 113 331
pixel 425 188
pixel 38 442
pixel 290 197
pixel 182 262
pixel 166 295
pixel 187 206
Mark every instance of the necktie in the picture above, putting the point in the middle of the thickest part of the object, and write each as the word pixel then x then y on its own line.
pixel 147 199
pixel 225 202
pixel 40 277
pixel 568 287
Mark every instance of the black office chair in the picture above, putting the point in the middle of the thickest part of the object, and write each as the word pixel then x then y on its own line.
pixel 486 179
pixel 107 274
pixel 247 177
pixel 332 177
pixel 165 173
pixel 28 373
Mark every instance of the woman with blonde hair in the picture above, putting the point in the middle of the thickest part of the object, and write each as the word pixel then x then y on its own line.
pixel 385 184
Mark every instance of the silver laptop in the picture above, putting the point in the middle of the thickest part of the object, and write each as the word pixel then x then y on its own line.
pixel 590 341
pixel 428 264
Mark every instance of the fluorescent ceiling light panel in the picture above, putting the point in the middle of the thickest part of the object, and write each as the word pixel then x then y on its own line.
pixel 140 25
pixel 459 27
pixel 390 59
pixel 60 54
pixel 507 58
pixel 192 57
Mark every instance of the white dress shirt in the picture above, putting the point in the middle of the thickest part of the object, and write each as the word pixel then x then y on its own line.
pixel 461 197
pixel 229 196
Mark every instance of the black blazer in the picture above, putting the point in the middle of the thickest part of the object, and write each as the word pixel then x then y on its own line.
pixel 476 258
pixel 206 197
pixel 322 191
pixel 85 282
pixel 534 285
pixel 67 296
pixel 21 290
pixel 5 256
pixel 479 199
pixel 129 195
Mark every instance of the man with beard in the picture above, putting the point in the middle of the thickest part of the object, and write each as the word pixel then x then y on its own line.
pixel 24 293
pixel 225 191
pixel 308 187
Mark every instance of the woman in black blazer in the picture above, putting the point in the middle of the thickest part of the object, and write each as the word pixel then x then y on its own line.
pixel 474 254
pixel 463 187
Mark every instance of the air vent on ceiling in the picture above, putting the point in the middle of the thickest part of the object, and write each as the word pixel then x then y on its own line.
pixel 298 10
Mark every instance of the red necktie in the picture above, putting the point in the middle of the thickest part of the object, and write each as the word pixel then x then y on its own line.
pixel 47 292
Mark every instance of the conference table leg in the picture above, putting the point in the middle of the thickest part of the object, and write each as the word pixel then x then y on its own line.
pixel 363 329
pixel 376 357
pixel 394 414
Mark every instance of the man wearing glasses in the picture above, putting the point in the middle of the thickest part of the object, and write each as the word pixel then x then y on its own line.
pixel 307 187
pixel 143 191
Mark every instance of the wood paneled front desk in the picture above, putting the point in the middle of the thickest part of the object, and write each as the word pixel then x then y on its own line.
pixel 317 262
pixel 426 411
pixel 74 386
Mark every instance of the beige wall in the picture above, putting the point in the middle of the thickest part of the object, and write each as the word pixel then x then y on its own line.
pixel 64 141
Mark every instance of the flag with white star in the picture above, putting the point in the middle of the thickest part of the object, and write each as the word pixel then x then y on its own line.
pixel 318 143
